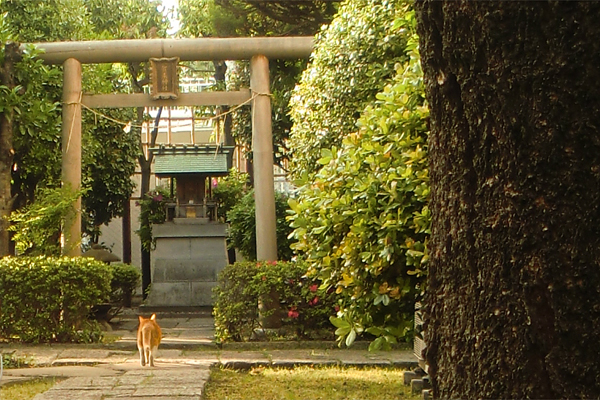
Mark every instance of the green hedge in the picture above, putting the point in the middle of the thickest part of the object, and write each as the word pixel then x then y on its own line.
pixel 125 279
pixel 242 226
pixel 305 308
pixel 46 299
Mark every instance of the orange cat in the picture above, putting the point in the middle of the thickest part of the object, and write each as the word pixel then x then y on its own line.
pixel 148 339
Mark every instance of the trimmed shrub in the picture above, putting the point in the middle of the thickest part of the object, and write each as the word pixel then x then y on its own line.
pixel 242 229
pixel 305 308
pixel 125 279
pixel 354 59
pixel 46 299
pixel 228 192
pixel 362 222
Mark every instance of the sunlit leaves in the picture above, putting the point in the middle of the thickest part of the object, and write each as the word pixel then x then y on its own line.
pixel 109 152
pixel 353 60
pixel 362 222
pixel 37 227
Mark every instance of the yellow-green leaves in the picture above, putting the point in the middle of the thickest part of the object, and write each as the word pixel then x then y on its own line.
pixel 353 60
pixel 362 221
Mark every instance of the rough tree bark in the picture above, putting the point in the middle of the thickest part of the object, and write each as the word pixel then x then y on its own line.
pixel 513 302
pixel 11 55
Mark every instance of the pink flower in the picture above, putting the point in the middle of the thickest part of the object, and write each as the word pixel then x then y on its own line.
pixel 264 278
pixel 293 314
pixel 336 308
pixel 291 281
pixel 313 288
pixel 314 301
pixel 273 262
pixel 158 197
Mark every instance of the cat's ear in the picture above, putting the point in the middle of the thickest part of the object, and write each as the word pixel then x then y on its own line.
pixel 153 317
pixel 141 318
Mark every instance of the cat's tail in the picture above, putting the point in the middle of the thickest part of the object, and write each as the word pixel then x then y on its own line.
pixel 147 342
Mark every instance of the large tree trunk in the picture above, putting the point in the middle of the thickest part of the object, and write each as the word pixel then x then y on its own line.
pixel 513 300
pixel 11 55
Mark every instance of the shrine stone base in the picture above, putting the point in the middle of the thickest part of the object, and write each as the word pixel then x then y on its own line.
pixel 188 256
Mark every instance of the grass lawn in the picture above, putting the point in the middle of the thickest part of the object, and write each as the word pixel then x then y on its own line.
pixel 26 390
pixel 307 383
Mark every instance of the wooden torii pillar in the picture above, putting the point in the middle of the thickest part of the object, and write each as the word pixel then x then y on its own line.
pixel 71 150
pixel 258 50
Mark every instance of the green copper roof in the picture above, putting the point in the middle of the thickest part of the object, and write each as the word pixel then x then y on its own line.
pixel 191 160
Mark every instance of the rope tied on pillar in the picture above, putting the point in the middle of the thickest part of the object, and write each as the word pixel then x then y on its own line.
pixel 256 94
pixel 72 103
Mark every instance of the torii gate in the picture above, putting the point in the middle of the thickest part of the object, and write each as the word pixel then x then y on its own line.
pixel 257 49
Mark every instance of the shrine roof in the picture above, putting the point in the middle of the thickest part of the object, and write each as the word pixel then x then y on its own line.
pixel 192 159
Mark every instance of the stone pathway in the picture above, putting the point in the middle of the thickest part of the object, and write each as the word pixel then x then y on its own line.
pixel 183 364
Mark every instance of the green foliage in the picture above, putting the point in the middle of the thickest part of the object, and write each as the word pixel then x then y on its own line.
pixel 47 20
pixel 108 151
pixel 152 211
pixel 37 227
pixel 49 299
pixel 36 124
pixel 248 18
pixel 306 308
pixel 229 190
pixel 242 230
pixel 243 18
pixel 353 59
pixel 362 222
pixel 125 279
pixel 126 19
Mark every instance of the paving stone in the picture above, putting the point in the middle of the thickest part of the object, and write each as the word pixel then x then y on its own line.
pixel 156 398
pixel 193 334
pixel 245 365
pixel 83 353
pixel 403 359
pixel 170 323
pixel 361 359
pixel 168 390
pixel 408 376
pixel 38 355
pixel 83 383
pixel 119 353
pixel 58 394
pixel 197 323
pixel 226 356
pixel 417 385
pixel 130 379
pixel 129 326
pixel 289 358
pixel 427 394
pixel 77 361
pixel 296 363
pixel 167 353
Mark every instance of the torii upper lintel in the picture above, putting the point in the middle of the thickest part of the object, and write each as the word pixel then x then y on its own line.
pixel 199 49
